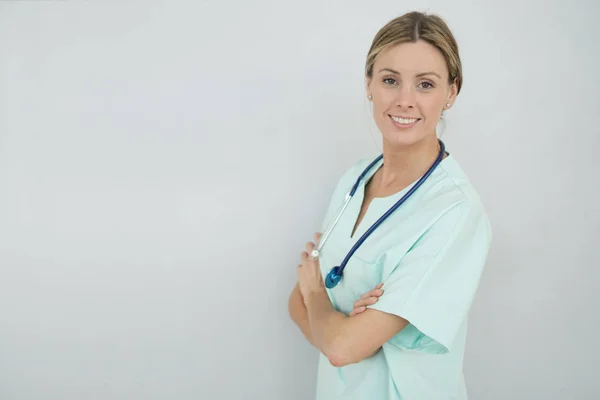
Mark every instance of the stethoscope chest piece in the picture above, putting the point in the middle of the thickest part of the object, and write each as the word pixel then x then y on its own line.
pixel 333 278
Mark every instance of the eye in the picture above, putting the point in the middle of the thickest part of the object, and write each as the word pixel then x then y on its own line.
pixel 389 81
pixel 427 85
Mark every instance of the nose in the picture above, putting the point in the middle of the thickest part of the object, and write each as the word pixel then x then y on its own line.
pixel 405 97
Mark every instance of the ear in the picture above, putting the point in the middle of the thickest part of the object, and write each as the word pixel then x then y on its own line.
pixel 452 92
pixel 368 86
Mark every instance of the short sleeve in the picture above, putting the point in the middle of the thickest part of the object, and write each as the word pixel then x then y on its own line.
pixel 434 284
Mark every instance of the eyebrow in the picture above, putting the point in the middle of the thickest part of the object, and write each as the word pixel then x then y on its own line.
pixel 418 75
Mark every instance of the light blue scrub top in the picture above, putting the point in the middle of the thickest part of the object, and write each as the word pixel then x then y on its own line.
pixel 429 254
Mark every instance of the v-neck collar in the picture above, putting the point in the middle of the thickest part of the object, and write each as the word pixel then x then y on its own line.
pixel 357 202
pixel 386 202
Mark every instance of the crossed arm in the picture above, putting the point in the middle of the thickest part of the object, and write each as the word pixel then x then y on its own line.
pixel 342 339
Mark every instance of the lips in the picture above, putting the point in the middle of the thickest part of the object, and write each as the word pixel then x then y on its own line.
pixel 404 122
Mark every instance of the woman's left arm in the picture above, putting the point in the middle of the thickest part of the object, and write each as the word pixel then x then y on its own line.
pixel 347 340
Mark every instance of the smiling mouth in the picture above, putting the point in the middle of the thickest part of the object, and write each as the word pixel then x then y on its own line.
pixel 404 121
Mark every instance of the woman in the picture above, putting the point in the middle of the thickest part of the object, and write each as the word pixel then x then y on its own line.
pixel 406 338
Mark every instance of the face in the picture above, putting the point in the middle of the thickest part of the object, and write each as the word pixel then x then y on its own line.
pixel 410 90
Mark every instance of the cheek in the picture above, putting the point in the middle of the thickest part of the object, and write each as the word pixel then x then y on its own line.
pixel 382 104
pixel 432 107
pixel 380 114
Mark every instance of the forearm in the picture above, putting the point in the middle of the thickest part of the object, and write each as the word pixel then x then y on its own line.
pixel 298 313
pixel 336 335
pixel 326 325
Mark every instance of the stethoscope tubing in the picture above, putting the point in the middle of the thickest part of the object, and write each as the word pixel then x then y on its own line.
pixel 335 274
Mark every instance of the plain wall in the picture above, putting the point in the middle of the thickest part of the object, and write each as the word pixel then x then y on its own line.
pixel 163 163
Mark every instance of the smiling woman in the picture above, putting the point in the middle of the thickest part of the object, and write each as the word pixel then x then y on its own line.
pixel 411 234
pixel 413 74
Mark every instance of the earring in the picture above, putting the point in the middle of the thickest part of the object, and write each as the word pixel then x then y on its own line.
pixel 370 97
pixel 447 104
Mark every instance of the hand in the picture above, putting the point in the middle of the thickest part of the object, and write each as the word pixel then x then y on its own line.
pixel 309 271
pixel 367 299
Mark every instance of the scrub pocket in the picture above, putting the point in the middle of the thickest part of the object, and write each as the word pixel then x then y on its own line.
pixel 362 276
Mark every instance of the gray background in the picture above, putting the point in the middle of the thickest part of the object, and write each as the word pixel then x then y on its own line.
pixel 163 164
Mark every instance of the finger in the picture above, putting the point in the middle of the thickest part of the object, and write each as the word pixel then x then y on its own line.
pixel 357 311
pixel 365 302
pixel 359 303
pixel 304 256
pixel 317 237
pixel 376 292
pixel 309 246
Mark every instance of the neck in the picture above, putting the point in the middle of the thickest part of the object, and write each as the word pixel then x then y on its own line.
pixel 403 165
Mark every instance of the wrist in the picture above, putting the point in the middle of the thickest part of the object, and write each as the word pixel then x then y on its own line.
pixel 315 296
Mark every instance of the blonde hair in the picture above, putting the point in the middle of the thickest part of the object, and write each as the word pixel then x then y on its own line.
pixel 415 26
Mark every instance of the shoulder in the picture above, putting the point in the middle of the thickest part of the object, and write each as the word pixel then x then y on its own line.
pixel 451 199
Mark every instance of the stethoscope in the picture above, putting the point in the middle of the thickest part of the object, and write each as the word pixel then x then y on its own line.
pixel 335 274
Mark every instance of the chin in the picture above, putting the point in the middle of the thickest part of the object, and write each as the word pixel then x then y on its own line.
pixel 403 139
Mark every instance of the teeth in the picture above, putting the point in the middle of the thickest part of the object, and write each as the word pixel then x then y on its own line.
pixel 404 121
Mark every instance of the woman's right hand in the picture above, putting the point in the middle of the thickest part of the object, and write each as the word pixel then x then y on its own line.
pixel 367 299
